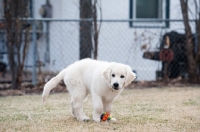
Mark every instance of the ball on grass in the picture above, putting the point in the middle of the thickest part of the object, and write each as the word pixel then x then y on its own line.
pixel 105 116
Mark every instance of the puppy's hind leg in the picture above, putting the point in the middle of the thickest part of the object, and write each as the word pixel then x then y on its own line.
pixel 72 107
pixel 77 105
pixel 73 110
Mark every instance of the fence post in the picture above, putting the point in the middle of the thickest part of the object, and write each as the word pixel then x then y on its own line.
pixel 47 55
pixel 34 53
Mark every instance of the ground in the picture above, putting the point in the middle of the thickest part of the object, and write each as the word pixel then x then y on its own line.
pixel 152 109
pixel 28 88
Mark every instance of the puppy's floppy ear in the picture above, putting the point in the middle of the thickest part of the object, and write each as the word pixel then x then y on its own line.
pixel 106 75
pixel 130 76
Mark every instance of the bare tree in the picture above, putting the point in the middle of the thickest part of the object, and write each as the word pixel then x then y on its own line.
pixel 89 28
pixel 192 58
pixel 17 35
pixel 197 57
pixel 85 29
pixel 96 28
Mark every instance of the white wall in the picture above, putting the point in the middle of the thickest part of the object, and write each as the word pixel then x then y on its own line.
pixel 117 41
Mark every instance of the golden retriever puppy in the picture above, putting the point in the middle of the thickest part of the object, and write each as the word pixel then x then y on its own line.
pixel 103 80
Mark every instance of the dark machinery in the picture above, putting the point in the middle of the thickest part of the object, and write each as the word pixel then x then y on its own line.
pixel 172 53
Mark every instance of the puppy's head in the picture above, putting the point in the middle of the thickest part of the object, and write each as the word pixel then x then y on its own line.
pixel 118 75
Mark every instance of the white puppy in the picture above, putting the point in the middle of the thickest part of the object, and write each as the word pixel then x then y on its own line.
pixel 103 80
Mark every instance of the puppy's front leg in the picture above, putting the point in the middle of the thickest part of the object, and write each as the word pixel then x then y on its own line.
pixel 98 107
pixel 108 108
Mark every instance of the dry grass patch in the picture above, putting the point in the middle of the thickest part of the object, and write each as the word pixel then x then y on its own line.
pixel 166 109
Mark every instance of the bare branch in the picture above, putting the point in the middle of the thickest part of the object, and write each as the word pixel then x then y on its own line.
pixel 192 66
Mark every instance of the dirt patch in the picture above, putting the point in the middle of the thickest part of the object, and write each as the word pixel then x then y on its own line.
pixel 178 82
pixel 28 88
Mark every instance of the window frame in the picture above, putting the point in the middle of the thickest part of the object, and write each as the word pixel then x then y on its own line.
pixel 147 22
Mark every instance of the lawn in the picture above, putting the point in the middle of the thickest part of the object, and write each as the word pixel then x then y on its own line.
pixel 154 109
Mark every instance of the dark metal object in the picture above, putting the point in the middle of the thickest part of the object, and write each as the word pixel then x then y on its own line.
pixel 173 56
pixel 3 68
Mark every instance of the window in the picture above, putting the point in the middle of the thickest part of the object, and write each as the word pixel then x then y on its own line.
pixel 144 10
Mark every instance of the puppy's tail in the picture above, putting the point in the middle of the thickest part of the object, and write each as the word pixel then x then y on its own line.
pixel 51 84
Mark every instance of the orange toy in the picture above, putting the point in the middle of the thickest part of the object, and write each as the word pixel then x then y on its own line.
pixel 105 116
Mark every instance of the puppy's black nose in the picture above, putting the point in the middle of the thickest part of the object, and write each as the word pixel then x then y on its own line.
pixel 115 85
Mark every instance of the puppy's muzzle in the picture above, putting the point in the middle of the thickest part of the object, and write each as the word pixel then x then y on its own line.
pixel 115 86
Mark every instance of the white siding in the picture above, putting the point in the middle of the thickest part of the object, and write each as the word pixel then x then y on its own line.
pixel 117 41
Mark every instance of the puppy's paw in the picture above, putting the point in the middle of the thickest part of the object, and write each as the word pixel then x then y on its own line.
pixel 113 120
pixel 86 119
pixel 96 119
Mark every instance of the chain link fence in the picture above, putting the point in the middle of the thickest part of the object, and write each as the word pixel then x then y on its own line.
pixel 151 48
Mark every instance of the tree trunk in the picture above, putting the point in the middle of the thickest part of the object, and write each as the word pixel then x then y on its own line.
pixel 197 57
pixel 9 42
pixel 85 29
pixel 192 66
pixel 96 31
pixel 14 10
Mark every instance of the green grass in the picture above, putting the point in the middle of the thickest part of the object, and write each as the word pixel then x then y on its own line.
pixel 165 109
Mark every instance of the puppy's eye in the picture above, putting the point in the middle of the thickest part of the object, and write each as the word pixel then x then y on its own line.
pixel 113 75
pixel 122 76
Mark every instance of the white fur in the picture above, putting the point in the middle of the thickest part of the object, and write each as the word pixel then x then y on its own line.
pixel 95 77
